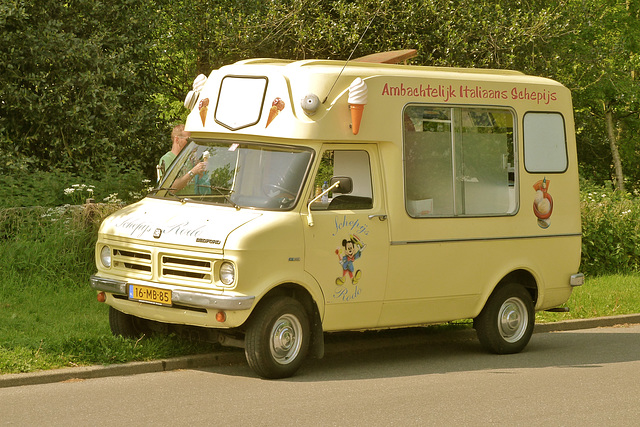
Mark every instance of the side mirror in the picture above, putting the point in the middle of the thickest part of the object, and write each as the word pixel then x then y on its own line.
pixel 345 184
pixel 334 184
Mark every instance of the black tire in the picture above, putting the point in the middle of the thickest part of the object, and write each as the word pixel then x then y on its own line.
pixel 125 325
pixel 506 322
pixel 277 338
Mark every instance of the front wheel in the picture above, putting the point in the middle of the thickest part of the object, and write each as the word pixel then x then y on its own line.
pixel 277 339
pixel 125 325
pixel 506 322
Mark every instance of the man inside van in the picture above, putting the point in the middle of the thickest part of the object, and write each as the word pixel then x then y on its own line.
pixel 178 141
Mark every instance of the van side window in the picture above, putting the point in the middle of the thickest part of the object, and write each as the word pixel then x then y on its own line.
pixel 545 143
pixel 458 161
pixel 349 164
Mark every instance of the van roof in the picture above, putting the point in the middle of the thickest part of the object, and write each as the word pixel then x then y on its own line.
pixel 370 67
pixel 254 87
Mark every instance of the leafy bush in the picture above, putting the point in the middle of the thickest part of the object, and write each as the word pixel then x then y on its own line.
pixel 610 231
pixel 76 80
pixel 24 185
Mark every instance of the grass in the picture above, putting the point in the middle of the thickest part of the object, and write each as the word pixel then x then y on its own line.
pixel 49 316
pixel 42 327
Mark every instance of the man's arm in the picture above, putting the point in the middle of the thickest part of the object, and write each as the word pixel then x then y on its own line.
pixel 182 181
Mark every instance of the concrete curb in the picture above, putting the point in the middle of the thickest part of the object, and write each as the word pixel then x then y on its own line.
pixel 132 368
pixel 233 357
pixel 596 322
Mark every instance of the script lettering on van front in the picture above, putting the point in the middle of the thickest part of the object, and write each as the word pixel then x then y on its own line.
pixel 451 93
pixel 138 227
pixel 184 229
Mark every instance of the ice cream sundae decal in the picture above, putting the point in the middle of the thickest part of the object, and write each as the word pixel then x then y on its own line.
pixel 543 203
pixel 204 108
pixel 276 106
pixel 357 100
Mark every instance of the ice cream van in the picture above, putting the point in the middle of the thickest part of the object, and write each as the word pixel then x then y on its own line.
pixel 318 196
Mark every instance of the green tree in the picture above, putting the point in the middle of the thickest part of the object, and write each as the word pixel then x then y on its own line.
pixel 76 79
pixel 197 36
pixel 599 60
pixel 85 84
pixel 500 34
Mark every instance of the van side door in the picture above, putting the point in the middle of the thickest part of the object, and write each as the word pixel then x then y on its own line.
pixel 347 248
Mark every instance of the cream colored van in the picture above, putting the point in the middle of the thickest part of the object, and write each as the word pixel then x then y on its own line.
pixel 316 197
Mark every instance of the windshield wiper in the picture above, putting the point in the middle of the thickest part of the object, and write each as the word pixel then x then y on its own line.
pixel 169 190
pixel 224 192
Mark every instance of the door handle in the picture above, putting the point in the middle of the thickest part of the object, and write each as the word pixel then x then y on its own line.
pixel 381 217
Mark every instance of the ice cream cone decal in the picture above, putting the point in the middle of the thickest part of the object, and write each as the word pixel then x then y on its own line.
pixel 357 100
pixel 203 107
pixel 276 106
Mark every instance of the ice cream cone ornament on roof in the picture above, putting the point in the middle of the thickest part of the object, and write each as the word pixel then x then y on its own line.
pixel 357 100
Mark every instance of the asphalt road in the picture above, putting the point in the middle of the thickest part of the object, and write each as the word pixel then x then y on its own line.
pixel 577 377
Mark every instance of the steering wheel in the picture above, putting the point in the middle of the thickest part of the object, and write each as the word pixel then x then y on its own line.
pixel 279 189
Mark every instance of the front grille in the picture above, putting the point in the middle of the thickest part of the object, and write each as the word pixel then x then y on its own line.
pixel 140 263
pixel 189 268
pixel 132 260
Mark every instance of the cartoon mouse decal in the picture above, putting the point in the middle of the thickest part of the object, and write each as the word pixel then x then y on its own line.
pixel 353 248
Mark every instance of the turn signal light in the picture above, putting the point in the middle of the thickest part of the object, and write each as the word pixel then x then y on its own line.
pixel 102 297
pixel 221 316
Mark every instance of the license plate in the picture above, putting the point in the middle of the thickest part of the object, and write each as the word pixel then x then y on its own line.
pixel 151 295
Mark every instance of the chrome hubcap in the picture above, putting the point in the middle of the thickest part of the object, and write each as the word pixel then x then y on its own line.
pixel 512 320
pixel 286 339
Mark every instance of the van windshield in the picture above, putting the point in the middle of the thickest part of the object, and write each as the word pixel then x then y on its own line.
pixel 238 174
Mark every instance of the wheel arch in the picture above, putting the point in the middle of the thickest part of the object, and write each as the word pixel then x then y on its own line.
pixel 302 295
pixel 520 276
pixel 524 278
pixel 294 291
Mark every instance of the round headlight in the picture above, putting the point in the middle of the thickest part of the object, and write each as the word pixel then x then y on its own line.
pixel 227 273
pixel 105 256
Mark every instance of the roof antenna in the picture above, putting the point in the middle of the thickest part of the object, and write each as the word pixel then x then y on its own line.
pixel 350 55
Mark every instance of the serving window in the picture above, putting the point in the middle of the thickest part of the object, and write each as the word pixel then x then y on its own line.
pixel 459 161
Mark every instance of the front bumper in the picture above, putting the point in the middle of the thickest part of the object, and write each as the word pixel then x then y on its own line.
pixel 179 295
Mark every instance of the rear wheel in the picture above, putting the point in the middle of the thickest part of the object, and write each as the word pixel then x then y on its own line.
pixel 505 324
pixel 125 325
pixel 277 339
